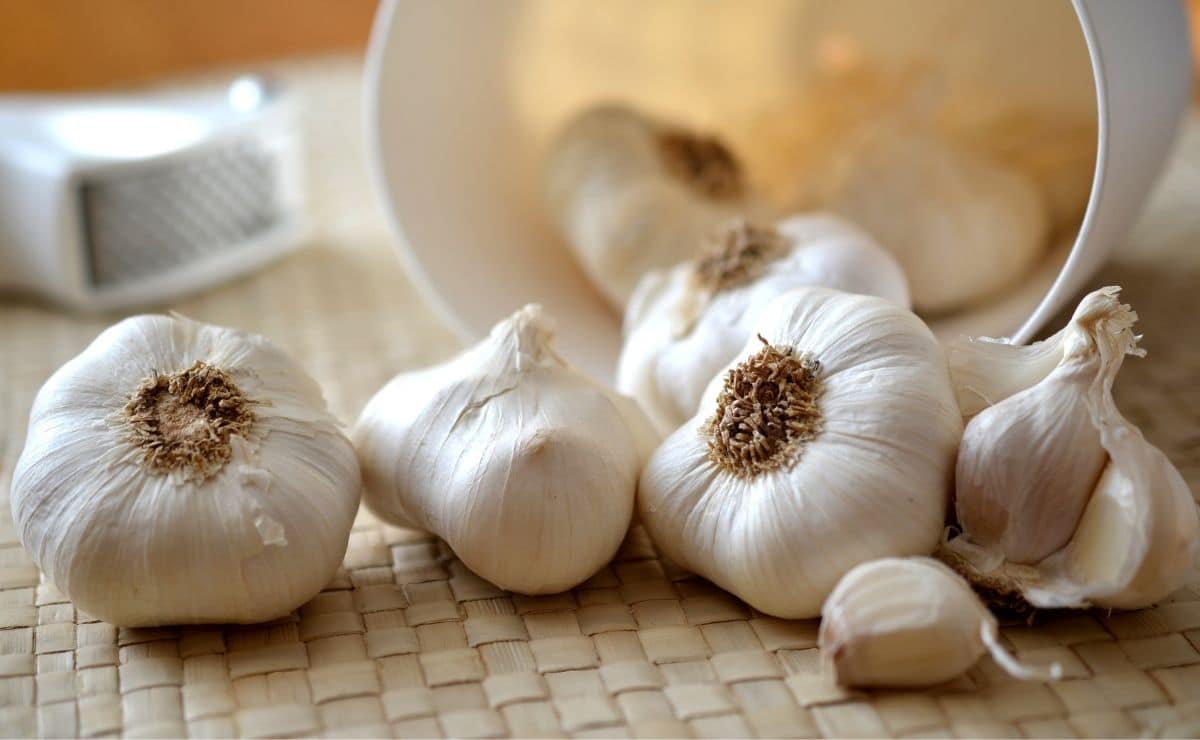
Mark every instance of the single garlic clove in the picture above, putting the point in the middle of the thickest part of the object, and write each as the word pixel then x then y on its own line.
pixel 1027 466
pixel 684 325
pixel 524 466
pixel 632 194
pixel 909 622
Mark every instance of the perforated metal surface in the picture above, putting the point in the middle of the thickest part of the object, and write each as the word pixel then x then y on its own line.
pixel 137 225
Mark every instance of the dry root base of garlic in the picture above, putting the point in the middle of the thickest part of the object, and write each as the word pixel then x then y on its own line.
pixel 1061 500
pixel 632 194
pixel 176 472
pixel 909 622
pixel 684 325
pixel 524 466
pixel 828 441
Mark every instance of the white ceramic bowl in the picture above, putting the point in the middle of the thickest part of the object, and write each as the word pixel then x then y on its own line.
pixel 462 96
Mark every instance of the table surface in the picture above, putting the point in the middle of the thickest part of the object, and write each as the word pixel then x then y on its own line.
pixel 405 641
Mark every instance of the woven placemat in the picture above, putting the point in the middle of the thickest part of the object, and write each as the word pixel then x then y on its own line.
pixel 405 641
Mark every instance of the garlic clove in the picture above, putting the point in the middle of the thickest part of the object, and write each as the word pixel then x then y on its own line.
pixel 524 466
pixel 1123 539
pixel 685 324
pixel 910 622
pixel 828 441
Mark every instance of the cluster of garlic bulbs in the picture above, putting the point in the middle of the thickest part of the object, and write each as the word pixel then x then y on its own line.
pixel 176 472
pixel 526 467
pixel 1061 501
pixel 906 622
pixel 633 194
pixel 829 441
pixel 684 325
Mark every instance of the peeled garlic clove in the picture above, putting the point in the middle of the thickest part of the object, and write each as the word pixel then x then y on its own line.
pixel 962 227
pixel 632 194
pixel 176 472
pixel 1054 533
pixel 908 622
pixel 829 441
pixel 684 325
pixel 524 466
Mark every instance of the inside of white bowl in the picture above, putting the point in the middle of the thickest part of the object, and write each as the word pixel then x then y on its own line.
pixel 466 96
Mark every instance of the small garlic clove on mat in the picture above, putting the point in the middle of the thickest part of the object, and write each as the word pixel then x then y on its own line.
pixel 1062 502
pixel 910 622
pixel 176 472
pixel 631 194
pixel 526 467
pixel 684 325
pixel 827 442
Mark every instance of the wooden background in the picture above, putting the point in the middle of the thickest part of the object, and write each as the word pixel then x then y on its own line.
pixel 78 44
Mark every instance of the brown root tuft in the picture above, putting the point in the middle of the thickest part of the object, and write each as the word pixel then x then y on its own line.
pixel 182 421
pixel 766 412
pixel 738 254
pixel 703 162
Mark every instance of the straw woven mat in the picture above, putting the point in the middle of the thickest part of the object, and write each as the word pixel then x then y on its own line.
pixel 406 642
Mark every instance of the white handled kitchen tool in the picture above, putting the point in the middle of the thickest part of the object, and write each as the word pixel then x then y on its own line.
pixel 110 201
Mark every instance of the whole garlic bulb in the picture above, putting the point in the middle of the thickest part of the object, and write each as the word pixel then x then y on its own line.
pixel 963 227
pixel 632 194
pixel 526 467
pixel 177 472
pixel 684 325
pixel 906 622
pixel 828 442
pixel 1060 499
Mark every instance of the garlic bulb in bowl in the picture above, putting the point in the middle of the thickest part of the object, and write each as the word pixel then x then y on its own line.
pixel 631 194
pixel 829 441
pixel 684 325
pixel 524 466
pixel 176 472
pixel 963 227
pixel 1062 502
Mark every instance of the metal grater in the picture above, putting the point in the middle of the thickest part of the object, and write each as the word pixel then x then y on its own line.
pixel 113 202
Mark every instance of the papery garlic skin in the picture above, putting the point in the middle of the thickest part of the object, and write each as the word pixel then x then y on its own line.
pixel 524 466
pixel 680 331
pixel 245 539
pixel 1095 514
pixel 962 227
pixel 909 622
pixel 864 473
pixel 631 194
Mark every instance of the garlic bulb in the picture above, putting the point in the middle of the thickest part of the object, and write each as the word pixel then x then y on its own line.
pixel 1060 499
pixel 632 194
pixel 963 227
pixel 828 442
pixel 906 622
pixel 684 325
pixel 177 472
pixel 526 467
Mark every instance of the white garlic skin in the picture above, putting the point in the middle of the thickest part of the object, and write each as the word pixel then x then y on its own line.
pixel 905 623
pixel 1039 516
pixel 250 543
pixel 669 356
pixel 1027 466
pixel 523 465
pixel 621 210
pixel 874 482
pixel 963 227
